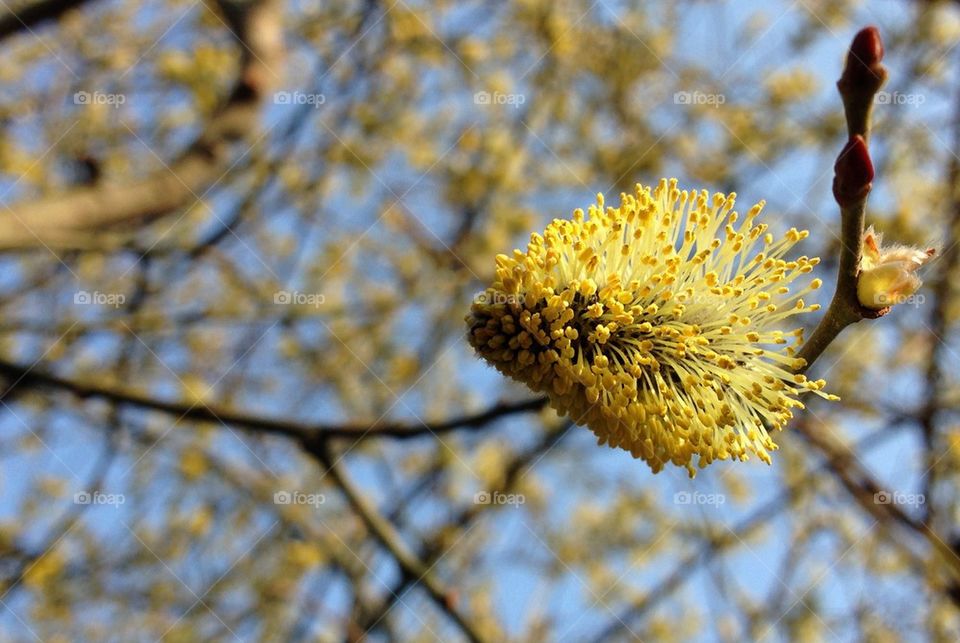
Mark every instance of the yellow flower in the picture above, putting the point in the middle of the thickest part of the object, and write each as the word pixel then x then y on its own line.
pixel 655 325
pixel 887 274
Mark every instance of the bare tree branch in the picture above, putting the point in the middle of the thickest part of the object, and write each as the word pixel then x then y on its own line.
pixel 27 377
pixel 27 15
pixel 862 77
pixel 71 219
pixel 388 536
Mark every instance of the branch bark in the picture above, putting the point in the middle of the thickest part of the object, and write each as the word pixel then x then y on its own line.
pixel 388 536
pixel 21 376
pixel 862 77
pixel 20 16
pixel 71 220
pixel 942 290
pixel 731 538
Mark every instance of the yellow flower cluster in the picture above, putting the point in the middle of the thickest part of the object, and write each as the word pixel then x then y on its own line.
pixel 655 325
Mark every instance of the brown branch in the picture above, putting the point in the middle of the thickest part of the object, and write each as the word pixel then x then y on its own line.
pixel 72 219
pixel 862 77
pixel 388 536
pixel 21 376
pixel 435 549
pixel 20 16
pixel 728 539
pixel 864 489
pixel 941 290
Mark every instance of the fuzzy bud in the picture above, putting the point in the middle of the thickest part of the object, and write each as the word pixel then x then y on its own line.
pixel 887 275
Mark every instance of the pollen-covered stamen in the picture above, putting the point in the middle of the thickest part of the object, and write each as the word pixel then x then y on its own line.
pixel 654 324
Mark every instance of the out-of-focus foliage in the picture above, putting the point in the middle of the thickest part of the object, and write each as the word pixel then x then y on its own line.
pixel 419 140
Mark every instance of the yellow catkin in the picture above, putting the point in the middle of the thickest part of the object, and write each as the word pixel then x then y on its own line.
pixel 644 322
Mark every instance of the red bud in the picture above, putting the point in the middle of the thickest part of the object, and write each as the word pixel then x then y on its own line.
pixel 867 48
pixel 853 172
pixel 863 66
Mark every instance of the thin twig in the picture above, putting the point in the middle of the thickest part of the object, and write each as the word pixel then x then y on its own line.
pixel 434 548
pixel 22 376
pixel 719 543
pixel 388 536
pixel 862 77
pixel 939 322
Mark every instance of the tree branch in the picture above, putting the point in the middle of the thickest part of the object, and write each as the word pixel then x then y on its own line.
pixel 864 489
pixel 434 549
pixel 30 14
pixel 730 538
pixel 939 319
pixel 69 220
pixel 388 536
pixel 862 77
pixel 24 376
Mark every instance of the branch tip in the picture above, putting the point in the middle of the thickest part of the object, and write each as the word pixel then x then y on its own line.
pixel 867 47
pixel 863 69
